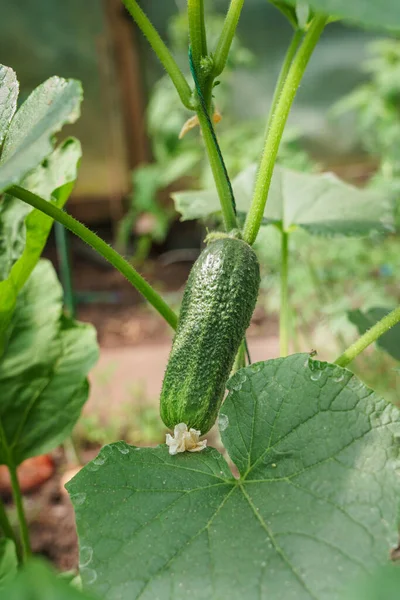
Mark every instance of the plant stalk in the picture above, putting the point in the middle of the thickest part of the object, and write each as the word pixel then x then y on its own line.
pixel 7 529
pixel 369 337
pixel 278 122
pixel 284 316
pixel 197 31
pixel 23 525
pixel 162 52
pixel 228 33
pixel 221 182
pixel 101 247
pixel 290 54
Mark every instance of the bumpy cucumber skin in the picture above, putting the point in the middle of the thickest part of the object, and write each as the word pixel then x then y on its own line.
pixel 218 302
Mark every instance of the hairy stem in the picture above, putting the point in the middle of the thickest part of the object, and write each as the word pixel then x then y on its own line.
pixel 284 315
pixel 290 54
pixel 221 181
pixel 162 52
pixel 197 31
pixel 226 37
pixel 278 122
pixel 369 337
pixel 23 526
pixel 101 247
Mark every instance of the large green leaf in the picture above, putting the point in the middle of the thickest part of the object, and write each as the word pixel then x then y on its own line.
pixel 381 585
pixel 29 139
pixel 8 98
pixel 315 505
pixel 375 14
pixel 37 582
pixel 319 203
pixel 389 341
pixel 8 562
pixel 24 231
pixel 42 371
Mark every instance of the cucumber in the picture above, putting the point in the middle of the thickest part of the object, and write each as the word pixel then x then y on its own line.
pixel 217 306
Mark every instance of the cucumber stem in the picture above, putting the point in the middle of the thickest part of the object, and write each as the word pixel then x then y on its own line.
pixel 227 34
pixel 101 247
pixel 197 31
pixel 369 337
pixel 278 122
pixel 23 525
pixel 162 52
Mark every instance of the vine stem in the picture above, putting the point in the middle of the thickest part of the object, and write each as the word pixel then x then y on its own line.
pixel 161 50
pixel 369 337
pixel 290 54
pixel 227 35
pixel 221 182
pixel 197 31
pixel 7 529
pixel 23 525
pixel 278 122
pixel 101 247
pixel 284 315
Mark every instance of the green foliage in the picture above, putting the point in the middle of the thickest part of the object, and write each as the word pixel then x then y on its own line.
pixel 8 562
pixel 8 101
pixel 367 13
pixel 307 438
pixel 29 137
pixel 318 203
pixel 42 371
pixel 37 582
pixel 25 231
pixel 375 106
pixel 383 584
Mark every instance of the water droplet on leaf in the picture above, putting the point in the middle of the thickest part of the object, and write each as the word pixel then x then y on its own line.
pixel 78 499
pixel 85 556
pixel 223 421
pixel 88 576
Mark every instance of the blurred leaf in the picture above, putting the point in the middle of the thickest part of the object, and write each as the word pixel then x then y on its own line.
pixel 9 88
pixel 287 10
pixel 8 562
pixel 37 582
pixel 24 231
pixel 319 203
pixel 382 14
pixel 389 341
pixel 315 505
pixel 29 139
pixel 43 370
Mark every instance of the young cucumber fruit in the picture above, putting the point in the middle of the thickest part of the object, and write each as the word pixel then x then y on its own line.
pixel 217 306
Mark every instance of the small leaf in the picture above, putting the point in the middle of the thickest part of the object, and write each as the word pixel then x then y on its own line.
pixel 42 371
pixel 384 14
pixel 29 139
pixel 319 203
pixel 8 98
pixel 37 582
pixel 302 13
pixel 315 506
pixel 288 11
pixel 24 231
pixel 389 341
pixel 8 562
